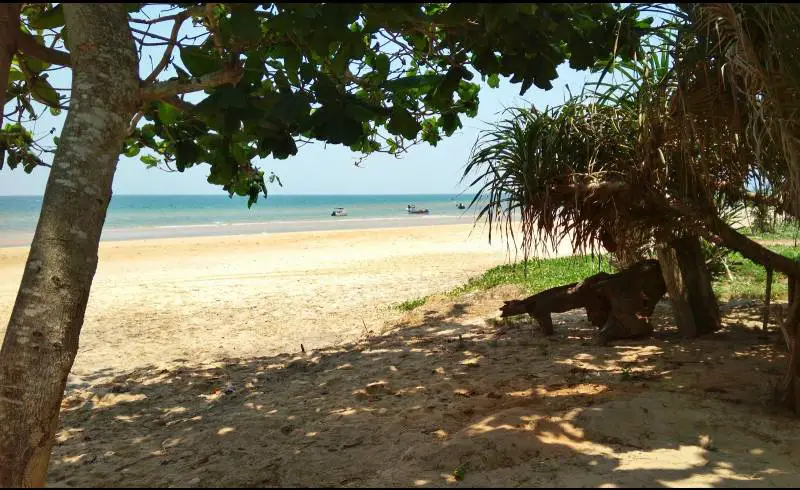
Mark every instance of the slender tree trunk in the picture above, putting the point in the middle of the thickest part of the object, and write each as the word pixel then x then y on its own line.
pixel 689 286
pixel 42 337
pixel 789 389
pixel 767 300
pixel 9 29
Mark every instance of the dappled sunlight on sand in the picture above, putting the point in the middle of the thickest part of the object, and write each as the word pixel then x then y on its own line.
pixel 444 400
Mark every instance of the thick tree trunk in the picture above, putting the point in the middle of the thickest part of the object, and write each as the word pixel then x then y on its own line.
pixel 42 337
pixel 689 286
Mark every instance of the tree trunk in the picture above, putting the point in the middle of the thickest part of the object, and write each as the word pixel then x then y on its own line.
pixel 789 390
pixel 42 336
pixel 689 286
pixel 9 29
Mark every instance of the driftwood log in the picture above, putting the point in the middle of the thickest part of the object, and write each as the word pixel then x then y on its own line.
pixel 619 304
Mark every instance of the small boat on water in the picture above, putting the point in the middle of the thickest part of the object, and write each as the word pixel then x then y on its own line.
pixel 339 212
pixel 461 206
pixel 412 209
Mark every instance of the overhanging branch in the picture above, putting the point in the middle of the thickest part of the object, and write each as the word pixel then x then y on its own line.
pixel 28 45
pixel 179 19
pixel 170 88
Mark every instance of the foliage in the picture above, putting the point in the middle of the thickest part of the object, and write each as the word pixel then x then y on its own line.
pixel 635 162
pixel 373 77
pixel 538 274
pixel 748 279
pixel 532 275
pixel 785 229
pixel 411 304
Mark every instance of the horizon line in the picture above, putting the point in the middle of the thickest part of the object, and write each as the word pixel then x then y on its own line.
pixel 222 194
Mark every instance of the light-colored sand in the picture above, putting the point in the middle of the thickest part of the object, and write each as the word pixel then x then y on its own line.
pixel 445 394
pixel 155 301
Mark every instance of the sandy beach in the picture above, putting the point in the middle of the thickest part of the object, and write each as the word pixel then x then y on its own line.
pixel 160 301
pixel 190 374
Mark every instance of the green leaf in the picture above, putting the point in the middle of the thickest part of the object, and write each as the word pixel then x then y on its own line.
pixel 49 19
pixel 132 151
pixel 198 61
pixel 35 65
pixel 167 114
pixel 186 154
pixel 44 93
pixel 494 80
pixel 403 123
pixel 291 61
pixel 422 82
pixel 55 111
pixel 449 123
pixel 15 76
pixel 450 82
pixel 307 72
pixel 291 108
pixel 232 97
pixel 382 65
pixel 149 160
pixel 245 24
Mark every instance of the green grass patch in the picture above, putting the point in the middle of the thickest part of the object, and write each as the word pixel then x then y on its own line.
pixel 411 304
pixel 540 274
pixel 783 231
pixel 750 279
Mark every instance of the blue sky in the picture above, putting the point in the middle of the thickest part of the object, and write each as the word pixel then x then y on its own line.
pixel 317 169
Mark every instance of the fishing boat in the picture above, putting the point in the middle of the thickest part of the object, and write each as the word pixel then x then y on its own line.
pixel 339 212
pixel 412 209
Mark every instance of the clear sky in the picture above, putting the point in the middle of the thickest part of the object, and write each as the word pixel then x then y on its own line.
pixel 316 169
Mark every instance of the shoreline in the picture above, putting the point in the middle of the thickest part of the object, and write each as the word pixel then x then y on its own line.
pixel 23 239
pixel 207 298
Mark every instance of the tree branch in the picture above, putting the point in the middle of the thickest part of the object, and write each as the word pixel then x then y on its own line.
pixel 179 104
pixel 149 34
pixel 179 19
pixel 212 26
pixel 159 19
pixel 134 122
pixel 28 45
pixel 169 88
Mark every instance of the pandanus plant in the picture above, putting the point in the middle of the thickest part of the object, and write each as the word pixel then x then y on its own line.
pixel 669 147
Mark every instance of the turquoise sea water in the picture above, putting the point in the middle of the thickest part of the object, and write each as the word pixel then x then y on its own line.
pixel 164 216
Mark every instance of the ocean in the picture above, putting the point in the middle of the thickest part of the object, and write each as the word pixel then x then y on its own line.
pixel 159 216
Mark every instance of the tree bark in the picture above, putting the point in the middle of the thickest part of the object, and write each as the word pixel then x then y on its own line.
pixel 767 300
pixel 9 33
pixel 42 336
pixel 789 389
pixel 689 286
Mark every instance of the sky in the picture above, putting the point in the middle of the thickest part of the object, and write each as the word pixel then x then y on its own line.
pixel 317 169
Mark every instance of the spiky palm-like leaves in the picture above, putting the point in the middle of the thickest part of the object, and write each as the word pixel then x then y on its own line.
pixel 669 151
pixel 758 48
pixel 651 156
pixel 557 171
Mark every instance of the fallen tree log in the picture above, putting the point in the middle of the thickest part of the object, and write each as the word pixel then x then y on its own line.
pixel 619 304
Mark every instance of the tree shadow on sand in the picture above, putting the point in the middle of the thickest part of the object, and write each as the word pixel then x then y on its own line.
pixel 445 399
